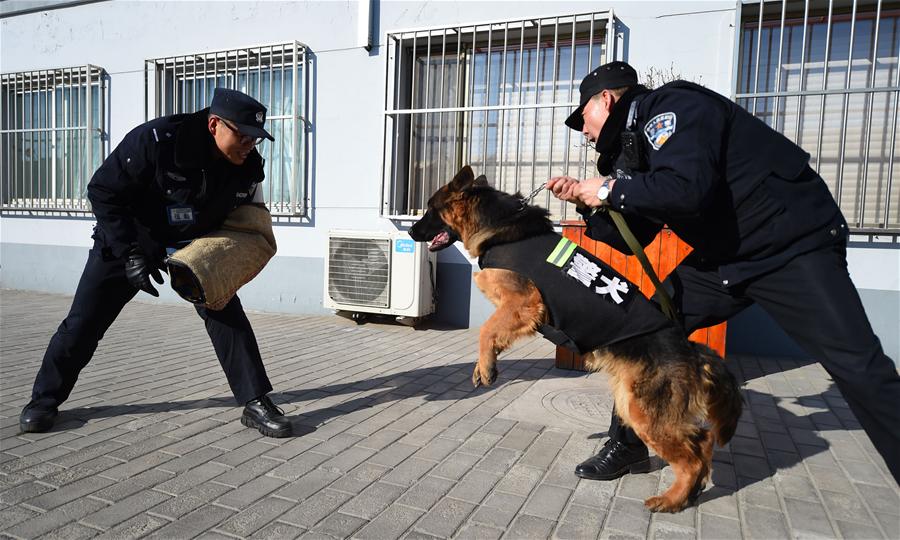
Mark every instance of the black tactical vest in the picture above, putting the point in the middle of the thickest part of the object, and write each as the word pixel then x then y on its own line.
pixel 589 304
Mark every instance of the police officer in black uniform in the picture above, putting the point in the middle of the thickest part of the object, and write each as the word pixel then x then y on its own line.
pixel 763 225
pixel 169 181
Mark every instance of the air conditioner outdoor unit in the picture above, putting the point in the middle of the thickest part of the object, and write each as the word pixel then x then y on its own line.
pixel 379 272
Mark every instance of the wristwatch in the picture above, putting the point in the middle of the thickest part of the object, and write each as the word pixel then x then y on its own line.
pixel 603 192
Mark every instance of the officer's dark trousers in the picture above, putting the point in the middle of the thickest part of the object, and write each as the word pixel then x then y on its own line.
pixel 102 293
pixel 813 299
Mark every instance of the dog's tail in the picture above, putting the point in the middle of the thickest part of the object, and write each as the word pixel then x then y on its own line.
pixel 723 396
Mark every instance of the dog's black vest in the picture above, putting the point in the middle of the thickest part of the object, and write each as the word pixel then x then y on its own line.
pixel 589 304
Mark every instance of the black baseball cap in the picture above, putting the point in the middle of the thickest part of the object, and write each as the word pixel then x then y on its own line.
pixel 612 75
pixel 247 114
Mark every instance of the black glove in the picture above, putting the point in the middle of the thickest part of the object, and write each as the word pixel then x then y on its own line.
pixel 138 272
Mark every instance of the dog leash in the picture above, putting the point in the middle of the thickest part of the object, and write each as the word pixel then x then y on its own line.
pixel 665 301
pixel 530 197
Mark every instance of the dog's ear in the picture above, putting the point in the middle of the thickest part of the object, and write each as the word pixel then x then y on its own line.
pixel 481 181
pixel 463 179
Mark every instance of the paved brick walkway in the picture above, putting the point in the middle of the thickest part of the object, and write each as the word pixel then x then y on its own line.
pixel 396 442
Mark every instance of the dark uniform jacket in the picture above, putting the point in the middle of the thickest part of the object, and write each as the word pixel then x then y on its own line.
pixel 573 282
pixel 740 193
pixel 163 185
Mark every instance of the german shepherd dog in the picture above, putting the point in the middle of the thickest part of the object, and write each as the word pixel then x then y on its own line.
pixel 677 395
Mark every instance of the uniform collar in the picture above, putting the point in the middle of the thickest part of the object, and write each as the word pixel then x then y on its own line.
pixel 609 140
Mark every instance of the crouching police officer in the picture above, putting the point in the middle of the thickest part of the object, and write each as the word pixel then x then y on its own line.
pixel 763 225
pixel 170 180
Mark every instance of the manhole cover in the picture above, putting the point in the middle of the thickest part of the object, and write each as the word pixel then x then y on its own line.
pixel 587 406
pixel 565 402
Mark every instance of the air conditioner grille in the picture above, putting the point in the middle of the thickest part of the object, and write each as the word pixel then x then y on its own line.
pixel 359 271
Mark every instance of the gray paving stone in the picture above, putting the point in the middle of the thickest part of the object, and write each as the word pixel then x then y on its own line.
pixel 248 521
pixel 760 493
pixel 124 509
pixel 475 531
pixel 547 502
pixel 846 507
pixel 641 486
pixel 373 500
pixel 808 517
pixel 339 525
pixel 191 460
pixel 580 522
pixel 890 523
pixel 714 527
pixel 23 492
pixel 70 492
pixel 456 465
pixel 393 454
pixel 594 494
pixel 426 493
pixel 347 460
pixel 307 485
pixel 14 514
pixel 855 531
pixel 250 492
pixel 408 472
pixel 526 526
pixel 390 524
pixel 520 480
pixel 298 466
pixel 764 524
pixel 312 510
pixel 189 500
pixel 126 488
pixel 628 515
pixel 99 464
pixel 55 518
pixel 665 530
pixel 277 531
pixel 192 524
pixel 246 472
pixel 188 479
pixel 498 510
pixel 444 518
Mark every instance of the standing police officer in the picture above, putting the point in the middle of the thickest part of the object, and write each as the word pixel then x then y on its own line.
pixel 763 225
pixel 169 181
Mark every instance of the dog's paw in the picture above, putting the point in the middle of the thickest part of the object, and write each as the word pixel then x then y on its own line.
pixel 664 504
pixel 479 378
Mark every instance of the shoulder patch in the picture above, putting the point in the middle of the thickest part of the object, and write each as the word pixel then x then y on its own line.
pixel 659 129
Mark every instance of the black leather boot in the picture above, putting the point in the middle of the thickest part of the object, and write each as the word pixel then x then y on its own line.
pixel 36 418
pixel 614 460
pixel 262 414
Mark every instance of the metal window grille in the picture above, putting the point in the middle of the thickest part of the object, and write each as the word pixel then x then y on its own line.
pixel 493 95
pixel 276 76
pixel 825 73
pixel 51 137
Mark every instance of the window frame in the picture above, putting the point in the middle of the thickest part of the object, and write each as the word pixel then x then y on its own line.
pixel 69 193
pixel 400 42
pixel 754 16
pixel 239 66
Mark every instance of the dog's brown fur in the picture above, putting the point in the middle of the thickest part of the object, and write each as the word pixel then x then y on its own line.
pixel 665 387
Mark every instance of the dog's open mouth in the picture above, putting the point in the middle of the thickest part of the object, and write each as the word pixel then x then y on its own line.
pixel 440 241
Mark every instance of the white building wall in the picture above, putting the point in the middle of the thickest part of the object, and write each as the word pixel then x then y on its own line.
pixel 46 253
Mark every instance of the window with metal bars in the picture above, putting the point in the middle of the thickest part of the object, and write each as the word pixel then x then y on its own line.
pixel 492 95
pixel 51 137
pixel 276 76
pixel 825 73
